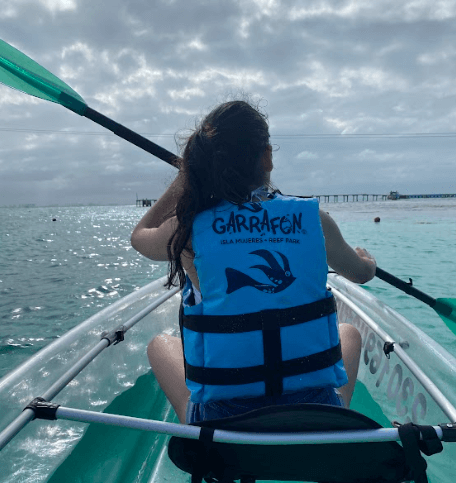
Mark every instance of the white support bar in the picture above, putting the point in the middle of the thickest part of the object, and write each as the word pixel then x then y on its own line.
pixel 222 436
pixel 28 415
pixel 445 405
pixel 156 303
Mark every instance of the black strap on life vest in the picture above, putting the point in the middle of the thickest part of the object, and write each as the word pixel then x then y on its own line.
pixel 247 375
pixel 269 322
pixel 235 324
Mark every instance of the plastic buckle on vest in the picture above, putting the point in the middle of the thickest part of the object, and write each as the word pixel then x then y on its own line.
pixel 43 409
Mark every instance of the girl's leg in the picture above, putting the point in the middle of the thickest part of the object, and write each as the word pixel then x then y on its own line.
pixel 350 340
pixel 167 362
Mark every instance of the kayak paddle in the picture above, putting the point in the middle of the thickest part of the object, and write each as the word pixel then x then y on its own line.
pixel 445 307
pixel 24 74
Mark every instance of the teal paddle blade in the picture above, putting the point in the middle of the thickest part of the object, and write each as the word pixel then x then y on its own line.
pixel 24 74
pixel 446 308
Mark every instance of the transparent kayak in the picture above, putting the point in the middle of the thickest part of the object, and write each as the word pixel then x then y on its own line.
pixel 404 376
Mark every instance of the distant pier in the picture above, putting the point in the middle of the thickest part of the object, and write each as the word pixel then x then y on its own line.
pixel 394 195
pixel 355 197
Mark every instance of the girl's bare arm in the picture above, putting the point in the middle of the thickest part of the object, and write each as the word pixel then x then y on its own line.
pixel 357 265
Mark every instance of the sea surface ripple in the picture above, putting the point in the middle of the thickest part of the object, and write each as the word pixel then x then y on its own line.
pixel 55 274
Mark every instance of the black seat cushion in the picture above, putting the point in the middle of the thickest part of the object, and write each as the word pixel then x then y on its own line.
pixel 328 463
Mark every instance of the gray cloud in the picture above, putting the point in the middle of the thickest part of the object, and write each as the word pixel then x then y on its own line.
pixel 322 67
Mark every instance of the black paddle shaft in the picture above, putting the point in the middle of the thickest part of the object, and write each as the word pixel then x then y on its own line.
pixel 406 287
pixel 132 137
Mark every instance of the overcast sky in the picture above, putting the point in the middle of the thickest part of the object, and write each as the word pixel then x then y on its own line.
pixel 344 83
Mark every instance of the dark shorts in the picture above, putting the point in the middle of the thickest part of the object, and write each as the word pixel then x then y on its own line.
pixel 231 407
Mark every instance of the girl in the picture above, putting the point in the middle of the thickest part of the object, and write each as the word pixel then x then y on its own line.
pixel 258 325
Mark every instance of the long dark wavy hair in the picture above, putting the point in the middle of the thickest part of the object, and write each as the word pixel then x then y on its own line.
pixel 221 160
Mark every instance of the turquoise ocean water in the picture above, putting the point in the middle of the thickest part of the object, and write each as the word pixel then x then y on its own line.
pixel 55 274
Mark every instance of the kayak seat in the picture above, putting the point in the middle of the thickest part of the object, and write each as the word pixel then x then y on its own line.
pixel 323 463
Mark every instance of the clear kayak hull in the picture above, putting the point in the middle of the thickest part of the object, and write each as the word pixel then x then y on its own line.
pixel 119 381
pixel 40 448
pixel 414 382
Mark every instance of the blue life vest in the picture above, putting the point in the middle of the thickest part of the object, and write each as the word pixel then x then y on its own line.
pixel 266 324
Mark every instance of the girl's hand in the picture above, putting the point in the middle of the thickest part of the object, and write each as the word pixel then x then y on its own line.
pixel 368 259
